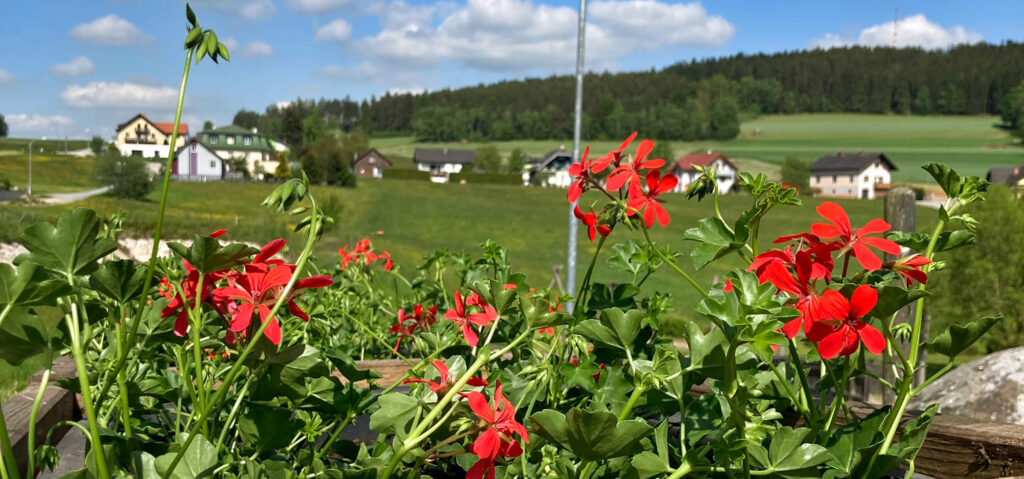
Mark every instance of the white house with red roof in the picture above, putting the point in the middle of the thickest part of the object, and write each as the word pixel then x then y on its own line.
pixel 725 170
pixel 143 137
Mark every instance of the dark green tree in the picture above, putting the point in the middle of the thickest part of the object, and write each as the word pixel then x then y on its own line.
pixel 3 127
pixel 128 176
pixel 245 119
pixel 724 119
pixel 208 125
pixel 797 172
pixel 290 130
pixel 516 161
pixel 313 127
pixel 488 159
pixel 97 145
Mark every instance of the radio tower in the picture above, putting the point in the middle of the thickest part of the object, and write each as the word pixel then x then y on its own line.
pixel 895 25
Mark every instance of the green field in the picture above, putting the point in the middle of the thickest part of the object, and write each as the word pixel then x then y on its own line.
pixel 971 144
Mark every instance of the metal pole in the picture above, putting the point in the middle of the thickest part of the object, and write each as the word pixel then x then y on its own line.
pixel 570 283
pixel 30 167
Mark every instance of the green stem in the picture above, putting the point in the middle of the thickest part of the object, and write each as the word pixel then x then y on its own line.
pixel 840 399
pixel 86 390
pixel 793 396
pixel 33 418
pixel 7 458
pixel 196 315
pixel 590 270
pixel 234 412
pixel 942 372
pixel 237 367
pixel 794 354
pixel 157 232
pixel 334 437
pixel 676 267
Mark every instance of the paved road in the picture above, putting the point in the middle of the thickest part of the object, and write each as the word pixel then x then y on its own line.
pixel 64 198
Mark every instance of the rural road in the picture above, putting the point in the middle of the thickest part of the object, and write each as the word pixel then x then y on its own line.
pixel 65 198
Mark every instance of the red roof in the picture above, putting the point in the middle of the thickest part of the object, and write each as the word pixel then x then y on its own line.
pixel 167 128
pixel 687 162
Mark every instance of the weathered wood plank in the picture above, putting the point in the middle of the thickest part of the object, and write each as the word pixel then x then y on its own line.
pixel 58 405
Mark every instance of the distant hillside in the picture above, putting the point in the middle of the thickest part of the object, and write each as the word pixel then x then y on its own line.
pixel 702 99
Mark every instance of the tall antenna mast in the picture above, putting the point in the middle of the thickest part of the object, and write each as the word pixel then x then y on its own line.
pixel 895 27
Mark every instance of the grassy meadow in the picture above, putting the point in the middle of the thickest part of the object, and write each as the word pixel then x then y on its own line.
pixel 971 144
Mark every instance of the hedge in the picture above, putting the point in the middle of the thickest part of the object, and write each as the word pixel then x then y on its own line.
pixel 486 178
pixel 406 174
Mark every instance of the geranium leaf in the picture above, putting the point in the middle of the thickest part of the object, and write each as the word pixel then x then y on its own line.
pixel 714 241
pixel 593 330
pixel 28 332
pixel 70 248
pixel 197 462
pixel 788 452
pixel 550 425
pixel 120 280
pixel 649 464
pixel 29 285
pixel 396 410
pixel 599 435
pixel 957 338
pixel 266 429
pixel 207 255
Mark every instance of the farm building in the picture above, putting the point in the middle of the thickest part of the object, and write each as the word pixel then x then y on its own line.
pixel 551 169
pixel 441 163
pixel 725 170
pixel 371 164
pixel 852 175
pixel 142 137
pixel 197 162
pixel 234 143
pixel 1012 176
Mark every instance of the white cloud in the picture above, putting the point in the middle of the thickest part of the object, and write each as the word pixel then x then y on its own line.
pixel 247 9
pixel 124 95
pixel 32 125
pixel 258 50
pixel 6 77
pixel 229 42
pixel 81 65
pixel 912 31
pixel 283 104
pixel 655 24
pixel 520 35
pixel 109 30
pixel 317 6
pixel 336 31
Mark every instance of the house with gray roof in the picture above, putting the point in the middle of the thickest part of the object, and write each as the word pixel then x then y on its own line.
pixel 442 162
pixel 550 169
pixel 1012 176
pixel 852 175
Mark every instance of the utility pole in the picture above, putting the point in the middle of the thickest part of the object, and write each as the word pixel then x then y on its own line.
pixel 30 167
pixel 570 283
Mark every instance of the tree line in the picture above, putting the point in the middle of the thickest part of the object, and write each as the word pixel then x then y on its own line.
pixel 700 99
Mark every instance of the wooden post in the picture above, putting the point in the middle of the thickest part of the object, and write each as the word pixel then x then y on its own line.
pixel 901 213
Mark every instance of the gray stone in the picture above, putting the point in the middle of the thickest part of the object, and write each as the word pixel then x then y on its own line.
pixel 989 389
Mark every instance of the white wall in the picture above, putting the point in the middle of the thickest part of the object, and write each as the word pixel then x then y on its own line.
pixel 208 165
pixel 726 177
pixel 145 151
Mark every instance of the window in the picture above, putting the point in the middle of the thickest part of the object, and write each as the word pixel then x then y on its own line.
pixel 866 179
pixel 833 178
pixel 247 140
pixel 878 179
pixel 851 178
pixel 231 140
pixel 817 178
pixel 213 164
pixel 214 139
pixel 136 152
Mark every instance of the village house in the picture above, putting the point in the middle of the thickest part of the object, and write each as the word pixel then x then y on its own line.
pixel 852 175
pixel 1012 176
pixel 441 163
pixel 551 169
pixel 197 162
pixel 725 170
pixel 148 139
pixel 233 144
pixel 371 164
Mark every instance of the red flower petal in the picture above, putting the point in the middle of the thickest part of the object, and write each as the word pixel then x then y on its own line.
pixel 867 258
pixel 872 337
pixel 864 300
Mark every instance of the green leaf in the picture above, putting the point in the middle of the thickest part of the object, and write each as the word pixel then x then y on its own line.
pixel 288 371
pixel 957 338
pixel 207 256
pixel 714 241
pixel 592 436
pixel 70 248
pixel 266 429
pixel 914 434
pixel 788 452
pixel 198 461
pixel 287 194
pixel 28 332
pixel 190 15
pixel 395 413
pixel 614 328
pixel 222 50
pixel 119 280
pixel 964 189
pixel 649 464
pixel 194 35
pixel 144 465
pixel 29 285
pixel 947 241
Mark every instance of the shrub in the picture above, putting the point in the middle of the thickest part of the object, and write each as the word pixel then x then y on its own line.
pixel 128 176
pixel 797 172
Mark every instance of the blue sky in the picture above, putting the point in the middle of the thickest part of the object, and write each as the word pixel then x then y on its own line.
pixel 77 68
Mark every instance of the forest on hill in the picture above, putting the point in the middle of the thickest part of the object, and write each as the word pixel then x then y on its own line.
pixel 701 99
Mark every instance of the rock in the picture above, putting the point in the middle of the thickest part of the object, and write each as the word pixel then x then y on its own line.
pixel 989 389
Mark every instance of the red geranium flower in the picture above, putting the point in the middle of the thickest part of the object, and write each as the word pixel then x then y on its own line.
pixel 263 259
pixel 728 286
pixel 629 174
pixel 808 302
pixel 259 290
pixel 651 206
pixel 592 223
pixel 442 387
pixel 497 439
pixel 911 268
pixel 857 241
pixel 614 157
pixel 460 316
pixel 840 334
pixel 580 171
pixel 181 306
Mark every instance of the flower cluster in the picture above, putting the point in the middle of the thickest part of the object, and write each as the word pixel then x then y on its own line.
pixel 409 321
pixel 256 288
pixel 827 317
pixel 469 311
pixel 637 184
pixel 497 439
pixel 363 253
